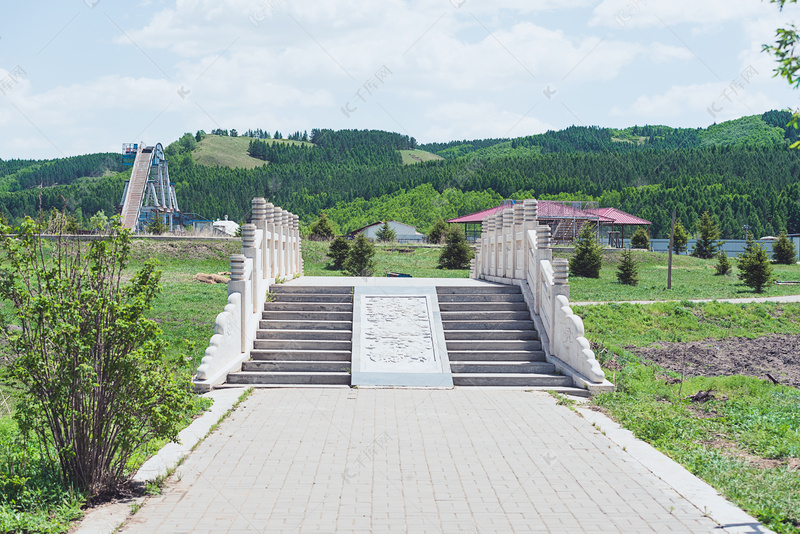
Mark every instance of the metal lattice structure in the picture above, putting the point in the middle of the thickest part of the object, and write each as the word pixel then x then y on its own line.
pixel 148 194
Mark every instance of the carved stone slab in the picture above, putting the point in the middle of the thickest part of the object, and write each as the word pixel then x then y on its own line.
pixel 398 338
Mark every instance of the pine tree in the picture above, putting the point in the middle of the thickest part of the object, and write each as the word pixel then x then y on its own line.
pixel 338 252
pixel 783 250
pixel 456 252
pixel 708 243
pixel 723 265
pixel 755 269
pixel 640 239
pixel 628 269
pixel 360 260
pixel 588 257
pixel 322 229
pixel 437 233
pixel 385 234
pixel 680 239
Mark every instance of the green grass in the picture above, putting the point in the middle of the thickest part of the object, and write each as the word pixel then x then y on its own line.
pixel 417 156
pixel 420 263
pixel 743 441
pixel 224 151
pixel 692 278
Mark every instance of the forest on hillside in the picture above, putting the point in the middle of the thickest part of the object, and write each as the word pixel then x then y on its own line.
pixel 741 171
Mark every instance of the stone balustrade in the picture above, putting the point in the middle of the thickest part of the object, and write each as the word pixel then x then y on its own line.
pixel 270 251
pixel 515 249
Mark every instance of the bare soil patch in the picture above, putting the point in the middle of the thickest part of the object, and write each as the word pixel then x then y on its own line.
pixel 777 355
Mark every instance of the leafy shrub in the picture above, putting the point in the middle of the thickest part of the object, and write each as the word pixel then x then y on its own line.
pixel 680 239
pixel 338 252
pixel 723 265
pixel 456 252
pixel 755 269
pixel 437 233
pixel 588 257
pixel 628 269
pixel 640 239
pixel 322 229
pixel 361 258
pixel 783 250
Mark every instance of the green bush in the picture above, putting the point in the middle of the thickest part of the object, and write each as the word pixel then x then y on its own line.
pixel 456 252
pixel 588 257
pixel 640 239
pixel 322 229
pixel 680 239
pixel 361 258
pixel 156 226
pixel 437 233
pixel 338 252
pixel 88 361
pixel 783 250
pixel 723 265
pixel 754 266
pixel 628 269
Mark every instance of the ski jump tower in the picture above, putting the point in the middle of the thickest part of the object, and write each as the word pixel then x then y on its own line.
pixel 148 194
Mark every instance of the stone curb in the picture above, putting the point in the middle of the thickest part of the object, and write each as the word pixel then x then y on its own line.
pixel 701 495
pixel 106 519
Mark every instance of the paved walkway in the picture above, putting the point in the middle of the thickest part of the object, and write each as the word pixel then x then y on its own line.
pixel 745 300
pixel 395 460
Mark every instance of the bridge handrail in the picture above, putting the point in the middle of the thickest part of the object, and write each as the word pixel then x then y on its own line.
pixel 515 249
pixel 270 250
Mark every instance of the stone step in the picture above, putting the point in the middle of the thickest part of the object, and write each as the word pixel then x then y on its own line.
pixel 309 306
pixel 486 325
pixel 476 315
pixel 477 290
pixel 311 297
pixel 482 306
pixel 305 325
pixel 301 344
pixel 300 355
pixel 319 290
pixel 279 377
pixel 494 345
pixel 297 366
pixel 485 297
pixel 501 367
pixel 510 379
pixel 313 335
pixel 306 316
pixel 496 355
pixel 486 335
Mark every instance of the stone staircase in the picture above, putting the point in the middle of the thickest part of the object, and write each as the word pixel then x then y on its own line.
pixel 304 339
pixel 491 340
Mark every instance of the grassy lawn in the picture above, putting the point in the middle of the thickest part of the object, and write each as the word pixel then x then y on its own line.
pixel 419 262
pixel 417 156
pixel 224 151
pixel 692 278
pixel 33 498
pixel 745 442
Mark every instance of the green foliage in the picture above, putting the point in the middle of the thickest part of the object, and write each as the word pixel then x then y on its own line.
pixel 322 229
pixel 99 221
pixel 754 266
pixel 156 226
pixel 783 250
pixel 361 258
pixel 679 239
pixel 385 234
pixel 587 259
pixel 456 253
pixel 723 265
pixel 339 251
pixel 437 232
pixel 87 359
pixel 640 240
pixel 628 269
pixel 708 237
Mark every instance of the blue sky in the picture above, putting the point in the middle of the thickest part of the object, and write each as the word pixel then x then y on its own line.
pixel 83 76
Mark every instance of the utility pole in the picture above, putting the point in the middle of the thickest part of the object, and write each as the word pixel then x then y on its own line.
pixel 671 244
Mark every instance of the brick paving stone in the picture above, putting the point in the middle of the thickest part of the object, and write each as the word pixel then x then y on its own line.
pixel 384 460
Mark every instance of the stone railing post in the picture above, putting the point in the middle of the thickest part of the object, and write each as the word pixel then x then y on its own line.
pixel 560 287
pixel 518 243
pixel 259 219
pixel 250 250
pixel 508 243
pixel 286 236
pixel 298 258
pixel 530 208
pixel 498 245
pixel 238 284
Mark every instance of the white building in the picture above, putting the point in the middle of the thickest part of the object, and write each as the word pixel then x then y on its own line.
pixel 404 232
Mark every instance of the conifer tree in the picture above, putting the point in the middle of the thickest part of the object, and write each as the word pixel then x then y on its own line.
pixel 588 257
pixel 783 250
pixel 360 260
pixel 456 252
pixel 640 239
pixel 385 234
pixel 338 252
pixel 708 241
pixel 755 269
pixel 437 233
pixel 680 239
pixel 322 229
pixel 628 269
pixel 723 265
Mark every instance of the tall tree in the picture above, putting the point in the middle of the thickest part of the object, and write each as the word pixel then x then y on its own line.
pixel 708 237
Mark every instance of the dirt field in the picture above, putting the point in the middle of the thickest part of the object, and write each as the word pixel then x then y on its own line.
pixel 777 355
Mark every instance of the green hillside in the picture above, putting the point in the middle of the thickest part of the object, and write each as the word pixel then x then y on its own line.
pixel 226 151
pixel 417 156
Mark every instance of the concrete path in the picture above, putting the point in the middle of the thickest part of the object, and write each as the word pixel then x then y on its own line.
pixel 396 460
pixel 746 300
